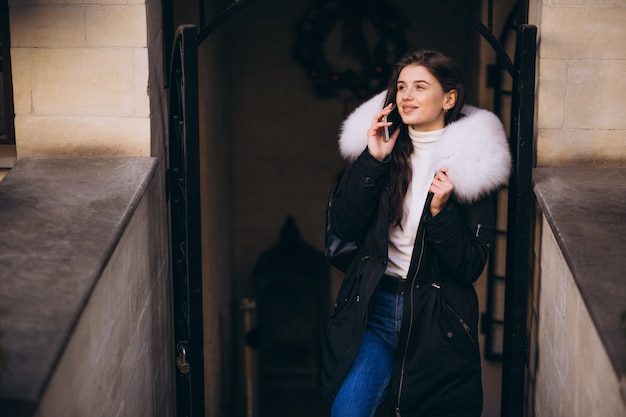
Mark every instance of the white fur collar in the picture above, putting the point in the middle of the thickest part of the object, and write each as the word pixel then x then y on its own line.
pixel 474 149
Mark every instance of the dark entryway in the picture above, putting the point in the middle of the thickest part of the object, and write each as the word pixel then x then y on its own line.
pixel 511 77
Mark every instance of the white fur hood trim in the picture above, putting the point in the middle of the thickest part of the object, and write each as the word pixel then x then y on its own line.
pixel 474 149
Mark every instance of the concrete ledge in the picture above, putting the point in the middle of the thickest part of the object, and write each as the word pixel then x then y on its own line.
pixel 586 210
pixel 61 219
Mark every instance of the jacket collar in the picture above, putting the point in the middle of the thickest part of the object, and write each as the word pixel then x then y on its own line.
pixel 474 149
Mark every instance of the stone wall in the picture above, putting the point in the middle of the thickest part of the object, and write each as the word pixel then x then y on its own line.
pixel 577 349
pixel 118 360
pixel 80 78
pixel 581 82
pixel 86 290
pixel 574 375
pixel 88 80
pixel 576 356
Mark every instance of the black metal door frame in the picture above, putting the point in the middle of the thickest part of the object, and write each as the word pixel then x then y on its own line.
pixel 520 229
pixel 183 182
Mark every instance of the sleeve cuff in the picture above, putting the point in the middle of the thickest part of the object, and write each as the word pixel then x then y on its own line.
pixel 368 169
pixel 443 226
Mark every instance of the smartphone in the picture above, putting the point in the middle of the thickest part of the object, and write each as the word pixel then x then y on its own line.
pixel 395 119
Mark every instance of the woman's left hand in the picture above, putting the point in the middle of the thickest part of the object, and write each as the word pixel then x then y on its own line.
pixel 441 188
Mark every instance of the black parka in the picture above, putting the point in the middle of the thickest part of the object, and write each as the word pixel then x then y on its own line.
pixel 437 366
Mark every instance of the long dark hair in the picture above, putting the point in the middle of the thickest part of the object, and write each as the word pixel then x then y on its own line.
pixel 447 72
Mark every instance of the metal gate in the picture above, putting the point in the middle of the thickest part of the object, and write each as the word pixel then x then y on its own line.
pixel 183 180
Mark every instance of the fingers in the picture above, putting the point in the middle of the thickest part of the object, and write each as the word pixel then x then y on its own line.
pixel 441 184
pixel 384 112
pixel 442 176
pixel 378 144
pixel 388 108
pixel 379 119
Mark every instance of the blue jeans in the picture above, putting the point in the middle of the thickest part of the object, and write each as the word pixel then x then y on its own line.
pixel 366 384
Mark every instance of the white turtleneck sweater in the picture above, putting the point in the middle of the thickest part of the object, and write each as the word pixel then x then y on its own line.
pixel 402 239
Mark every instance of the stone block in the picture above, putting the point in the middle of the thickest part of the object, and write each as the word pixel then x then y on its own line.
pixel 90 81
pixel 129 23
pixel 600 32
pixel 582 99
pixel 551 93
pixel 21 68
pixel 572 318
pixel 82 136
pixel 611 105
pixel 581 147
pixel 47 26
pixel 141 98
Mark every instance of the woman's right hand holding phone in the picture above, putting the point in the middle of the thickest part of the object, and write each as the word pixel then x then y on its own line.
pixel 377 144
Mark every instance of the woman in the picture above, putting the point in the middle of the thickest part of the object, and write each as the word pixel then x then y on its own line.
pixel 420 206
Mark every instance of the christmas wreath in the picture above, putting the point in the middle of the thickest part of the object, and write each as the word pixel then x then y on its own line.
pixel 371 41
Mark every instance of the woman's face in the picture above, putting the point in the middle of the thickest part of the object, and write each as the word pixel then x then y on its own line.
pixel 421 100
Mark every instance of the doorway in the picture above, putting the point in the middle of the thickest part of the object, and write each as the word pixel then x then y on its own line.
pixel 282 151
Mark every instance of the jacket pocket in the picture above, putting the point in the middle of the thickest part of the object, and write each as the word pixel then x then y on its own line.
pixel 350 287
pixel 455 330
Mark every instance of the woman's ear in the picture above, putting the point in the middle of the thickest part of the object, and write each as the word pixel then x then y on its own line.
pixel 449 100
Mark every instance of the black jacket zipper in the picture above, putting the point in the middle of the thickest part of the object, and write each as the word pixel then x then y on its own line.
pixel 408 337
